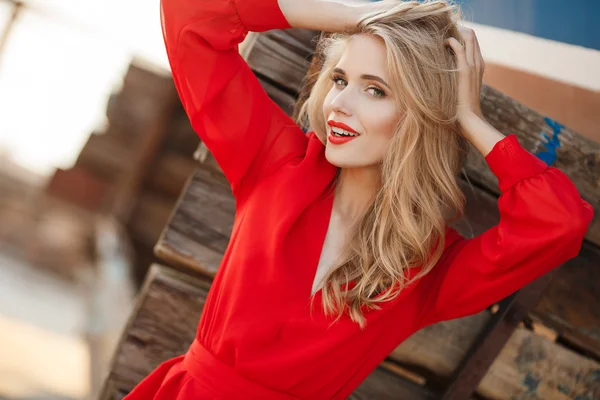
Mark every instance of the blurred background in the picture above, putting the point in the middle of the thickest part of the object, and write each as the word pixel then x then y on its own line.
pixel 95 150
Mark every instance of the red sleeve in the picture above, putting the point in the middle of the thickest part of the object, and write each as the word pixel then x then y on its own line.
pixel 226 105
pixel 542 224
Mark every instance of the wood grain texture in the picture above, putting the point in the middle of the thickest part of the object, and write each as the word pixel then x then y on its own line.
pixel 162 325
pixel 384 385
pixel 104 156
pixel 571 302
pixel 531 367
pixel 170 173
pixel 283 57
pixel 439 348
pixel 198 231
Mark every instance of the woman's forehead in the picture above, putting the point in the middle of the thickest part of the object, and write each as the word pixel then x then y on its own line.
pixel 364 54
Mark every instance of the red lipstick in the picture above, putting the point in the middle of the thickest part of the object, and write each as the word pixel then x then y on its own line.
pixel 341 126
pixel 333 139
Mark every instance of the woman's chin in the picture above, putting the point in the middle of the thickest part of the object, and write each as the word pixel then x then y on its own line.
pixel 342 159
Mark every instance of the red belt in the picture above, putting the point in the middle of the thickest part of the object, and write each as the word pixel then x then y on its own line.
pixel 223 379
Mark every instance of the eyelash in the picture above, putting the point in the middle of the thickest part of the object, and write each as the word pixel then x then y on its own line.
pixel 379 93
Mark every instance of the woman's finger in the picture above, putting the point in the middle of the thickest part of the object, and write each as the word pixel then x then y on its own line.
pixel 479 57
pixel 469 38
pixel 459 53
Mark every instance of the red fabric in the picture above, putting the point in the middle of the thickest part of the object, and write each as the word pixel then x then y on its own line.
pixel 257 338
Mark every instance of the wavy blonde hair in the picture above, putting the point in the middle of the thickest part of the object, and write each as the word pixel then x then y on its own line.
pixel 419 194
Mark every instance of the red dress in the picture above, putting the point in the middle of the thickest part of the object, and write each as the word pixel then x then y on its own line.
pixel 256 338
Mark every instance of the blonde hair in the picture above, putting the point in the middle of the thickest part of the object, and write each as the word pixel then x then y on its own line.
pixel 419 194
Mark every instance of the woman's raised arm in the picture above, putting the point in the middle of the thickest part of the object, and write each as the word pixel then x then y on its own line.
pixel 542 224
pixel 245 131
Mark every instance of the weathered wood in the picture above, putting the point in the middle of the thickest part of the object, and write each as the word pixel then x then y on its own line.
pixel 436 351
pixel 384 385
pixel 138 99
pixel 153 125
pixel 180 138
pixel 79 187
pixel 531 367
pixel 168 308
pixel 282 56
pixel 198 231
pixel 163 325
pixel 169 174
pixel 150 215
pixel 571 303
pixel 104 156
pixel 491 340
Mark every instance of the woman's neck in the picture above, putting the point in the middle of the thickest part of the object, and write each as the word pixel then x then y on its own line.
pixel 355 190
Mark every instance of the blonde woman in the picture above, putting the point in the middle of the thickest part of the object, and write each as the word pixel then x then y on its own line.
pixel 341 246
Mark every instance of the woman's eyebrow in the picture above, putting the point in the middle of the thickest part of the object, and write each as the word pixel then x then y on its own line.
pixel 365 77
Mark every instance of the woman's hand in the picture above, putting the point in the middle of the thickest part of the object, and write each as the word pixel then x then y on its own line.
pixel 471 66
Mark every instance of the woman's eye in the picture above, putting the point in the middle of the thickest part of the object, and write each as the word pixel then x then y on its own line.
pixel 376 92
pixel 338 81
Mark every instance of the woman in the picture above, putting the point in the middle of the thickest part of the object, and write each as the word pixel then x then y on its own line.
pixel 341 247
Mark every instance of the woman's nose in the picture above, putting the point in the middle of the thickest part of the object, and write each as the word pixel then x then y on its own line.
pixel 341 103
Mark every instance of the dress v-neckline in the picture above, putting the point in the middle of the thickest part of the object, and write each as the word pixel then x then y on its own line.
pixel 322 227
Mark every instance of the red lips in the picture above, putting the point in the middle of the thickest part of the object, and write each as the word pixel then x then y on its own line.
pixel 341 126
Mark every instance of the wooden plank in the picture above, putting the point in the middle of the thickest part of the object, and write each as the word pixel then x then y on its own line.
pixel 151 214
pixel 531 367
pixel 492 339
pixel 436 351
pixel 142 90
pixel 571 302
pixel 282 98
pixel 181 138
pixel 198 231
pixel 163 324
pixel 103 156
pixel 385 385
pixel 282 56
pixel 79 187
pixel 153 126
pixel 169 174
pixel 531 363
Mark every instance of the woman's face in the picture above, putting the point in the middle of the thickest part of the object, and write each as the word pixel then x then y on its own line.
pixel 361 102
